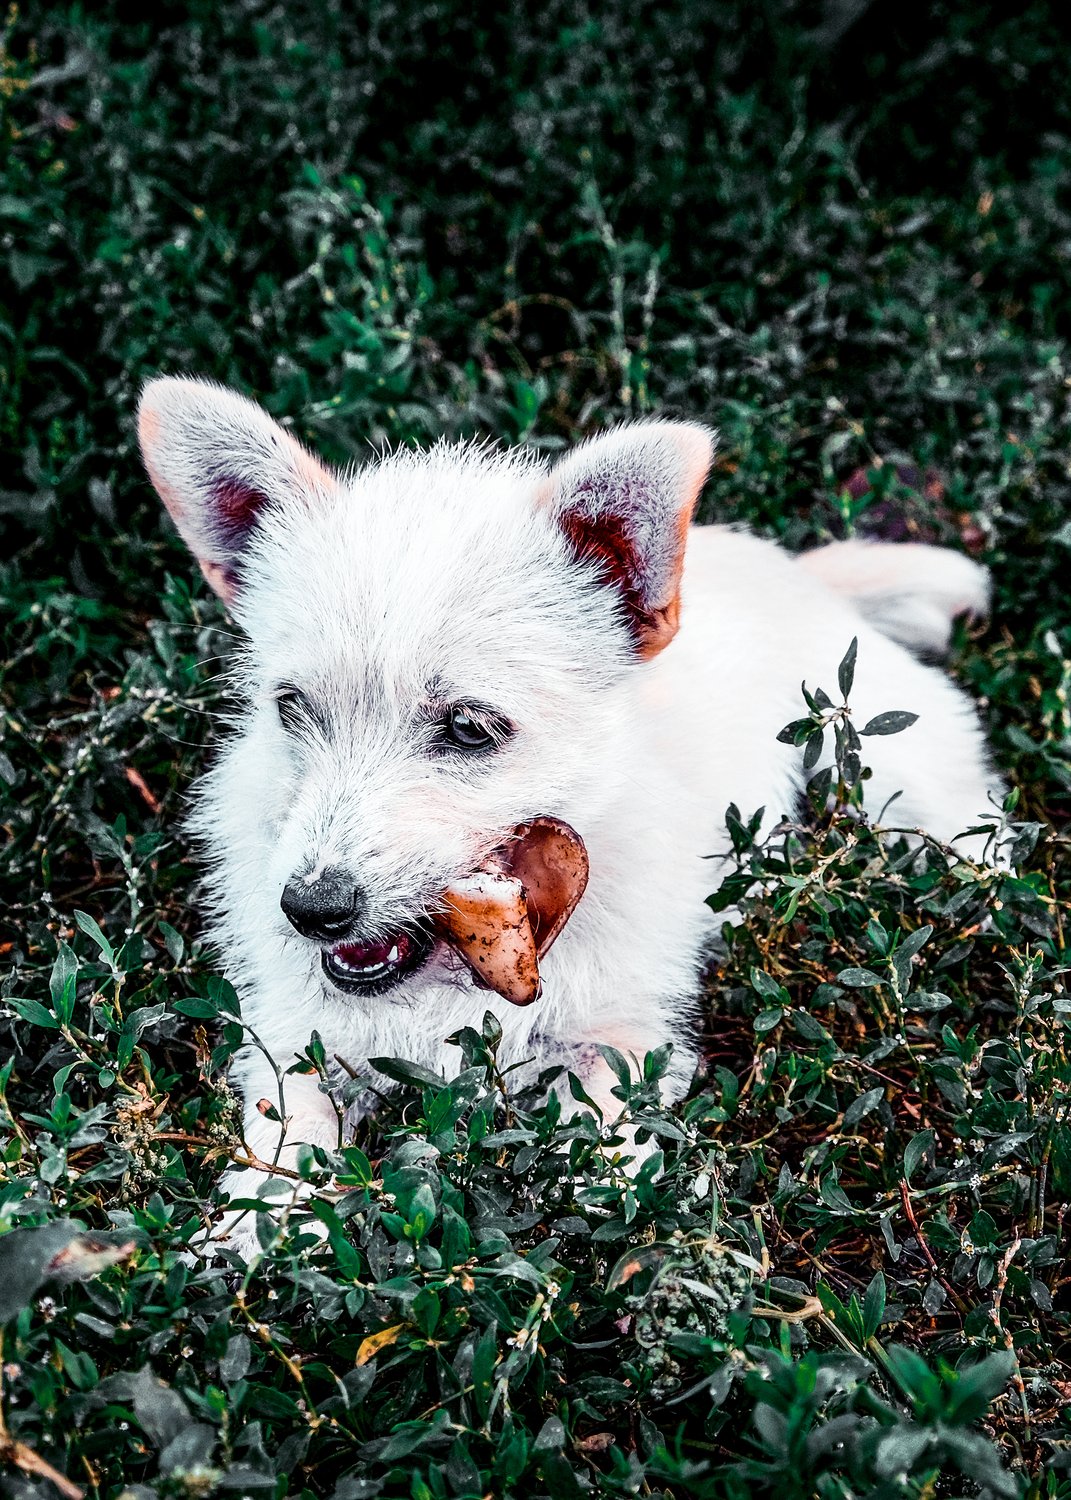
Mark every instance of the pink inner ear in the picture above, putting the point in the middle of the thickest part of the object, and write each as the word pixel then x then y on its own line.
pixel 645 569
pixel 236 506
pixel 610 541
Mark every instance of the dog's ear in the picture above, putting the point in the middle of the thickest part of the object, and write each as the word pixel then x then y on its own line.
pixel 625 501
pixel 217 460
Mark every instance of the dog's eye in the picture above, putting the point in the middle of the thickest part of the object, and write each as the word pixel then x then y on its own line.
pixel 473 730
pixel 292 709
pixel 466 732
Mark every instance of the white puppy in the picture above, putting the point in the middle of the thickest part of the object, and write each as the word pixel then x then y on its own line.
pixel 446 644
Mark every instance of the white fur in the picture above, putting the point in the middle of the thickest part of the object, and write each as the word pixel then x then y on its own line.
pixel 446 573
pixel 910 591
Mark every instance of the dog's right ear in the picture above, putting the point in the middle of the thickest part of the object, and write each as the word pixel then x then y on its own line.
pixel 217 461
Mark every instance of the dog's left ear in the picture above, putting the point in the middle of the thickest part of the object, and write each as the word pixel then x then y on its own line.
pixel 625 501
pixel 219 462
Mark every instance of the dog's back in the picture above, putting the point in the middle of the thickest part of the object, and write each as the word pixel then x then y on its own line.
pixel 755 623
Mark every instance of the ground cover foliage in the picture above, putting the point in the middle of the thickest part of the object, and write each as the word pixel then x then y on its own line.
pixel 846 245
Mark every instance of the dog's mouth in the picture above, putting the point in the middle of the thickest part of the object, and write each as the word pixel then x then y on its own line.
pixel 501 919
pixel 371 968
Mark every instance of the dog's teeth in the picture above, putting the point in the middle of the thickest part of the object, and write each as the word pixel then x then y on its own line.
pixel 375 963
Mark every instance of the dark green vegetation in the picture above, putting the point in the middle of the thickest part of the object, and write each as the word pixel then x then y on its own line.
pixel 851 253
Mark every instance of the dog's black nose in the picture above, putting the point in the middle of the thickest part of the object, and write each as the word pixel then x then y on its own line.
pixel 323 908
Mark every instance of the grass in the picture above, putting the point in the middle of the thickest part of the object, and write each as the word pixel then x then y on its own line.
pixel 848 251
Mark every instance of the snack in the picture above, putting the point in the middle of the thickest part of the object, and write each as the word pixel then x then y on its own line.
pixel 503 918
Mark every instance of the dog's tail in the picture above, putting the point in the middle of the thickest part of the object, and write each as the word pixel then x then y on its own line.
pixel 907 590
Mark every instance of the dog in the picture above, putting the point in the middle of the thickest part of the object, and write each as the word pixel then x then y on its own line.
pixel 444 644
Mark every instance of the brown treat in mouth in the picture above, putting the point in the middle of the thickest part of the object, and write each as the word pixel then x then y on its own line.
pixel 486 920
pixel 503 918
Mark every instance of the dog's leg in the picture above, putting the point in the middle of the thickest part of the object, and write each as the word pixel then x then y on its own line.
pixel 310 1120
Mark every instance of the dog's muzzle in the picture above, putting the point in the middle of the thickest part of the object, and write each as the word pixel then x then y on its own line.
pixel 328 910
pixel 501 919
pixel 322 909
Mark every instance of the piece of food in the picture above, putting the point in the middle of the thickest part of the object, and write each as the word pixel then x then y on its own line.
pixel 486 921
pixel 550 860
pixel 503 918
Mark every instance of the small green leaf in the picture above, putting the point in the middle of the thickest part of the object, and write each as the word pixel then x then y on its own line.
pixel 832 1305
pixel 173 941
pixel 92 930
pixel 580 1094
pixel 917 1147
pixel 814 749
pixel 889 723
pixel 358 1171
pixel 914 942
pixel 796 732
pixel 862 1106
pixel 407 1072
pixel 34 1012
pixel 197 1007
pixel 809 1027
pixel 846 670
pixel 874 1305
pixel 766 1020
pixel 64 974
pixel 860 979
pixel 617 1063
pixel 768 988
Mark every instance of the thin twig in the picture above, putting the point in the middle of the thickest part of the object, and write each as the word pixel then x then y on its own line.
pixel 250 1159
pixel 916 1229
pixel 23 1457
pixel 1005 1333
pixel 266 1337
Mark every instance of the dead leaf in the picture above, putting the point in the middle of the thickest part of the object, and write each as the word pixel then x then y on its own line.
pixel 371 1346
pixel 86 1256
pixel 595 1442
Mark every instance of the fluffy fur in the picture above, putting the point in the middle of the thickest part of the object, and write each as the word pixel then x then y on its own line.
pixel 472 574
pixel 912 592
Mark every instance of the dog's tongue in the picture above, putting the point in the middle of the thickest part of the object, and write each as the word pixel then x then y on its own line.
pixel 503 918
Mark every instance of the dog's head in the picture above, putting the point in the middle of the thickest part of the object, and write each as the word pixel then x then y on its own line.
pixel 440 647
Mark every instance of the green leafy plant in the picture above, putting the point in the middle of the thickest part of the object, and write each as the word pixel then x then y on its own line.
pixel 842 1271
